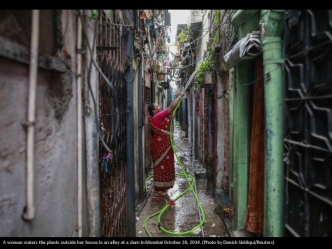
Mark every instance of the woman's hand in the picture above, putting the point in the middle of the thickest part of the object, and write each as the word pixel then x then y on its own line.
pixel 175 102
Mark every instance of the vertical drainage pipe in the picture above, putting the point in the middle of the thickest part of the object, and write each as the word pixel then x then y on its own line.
pixel 140 131
pixel 271 30
pixel 91 151
pixel 29 210
pixel 130 166
pixel 79 126
pixel 140 121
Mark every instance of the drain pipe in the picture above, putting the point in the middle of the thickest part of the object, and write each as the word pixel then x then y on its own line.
pixel 140 121
pixel 242 16
pixel 130 166
pixel 29 210
pixel 271 29
pixel 79 126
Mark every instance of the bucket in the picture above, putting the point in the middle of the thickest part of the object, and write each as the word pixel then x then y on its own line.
pixel 160 76
pixel 155 68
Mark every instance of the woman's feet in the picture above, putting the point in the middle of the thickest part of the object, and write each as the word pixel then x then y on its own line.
pixel 161 193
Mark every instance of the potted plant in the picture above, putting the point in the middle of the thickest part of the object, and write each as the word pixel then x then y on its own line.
pixel 161 74
pixel 185 34
pixel 155 67
pixel 204 71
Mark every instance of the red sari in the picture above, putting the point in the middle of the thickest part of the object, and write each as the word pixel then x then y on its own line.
pixel 162 153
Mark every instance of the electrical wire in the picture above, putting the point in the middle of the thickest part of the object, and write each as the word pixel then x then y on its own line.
pixel 163 26
pixel 105 78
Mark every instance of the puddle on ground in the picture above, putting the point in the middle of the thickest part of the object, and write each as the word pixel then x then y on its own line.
pixel 189 209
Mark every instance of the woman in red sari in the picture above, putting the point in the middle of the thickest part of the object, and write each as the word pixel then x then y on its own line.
pixel 161 148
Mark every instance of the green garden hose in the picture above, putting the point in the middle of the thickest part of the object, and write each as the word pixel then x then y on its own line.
pixel 190 180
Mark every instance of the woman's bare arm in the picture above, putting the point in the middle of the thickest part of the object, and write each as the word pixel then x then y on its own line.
pixel 174 103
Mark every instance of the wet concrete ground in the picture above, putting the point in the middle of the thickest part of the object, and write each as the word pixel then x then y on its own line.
pixel 193 213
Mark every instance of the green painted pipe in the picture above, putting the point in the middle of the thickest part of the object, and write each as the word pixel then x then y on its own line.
pixel 271 30
pixel 241 16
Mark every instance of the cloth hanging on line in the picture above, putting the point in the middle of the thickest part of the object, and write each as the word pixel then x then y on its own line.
pixel 246 48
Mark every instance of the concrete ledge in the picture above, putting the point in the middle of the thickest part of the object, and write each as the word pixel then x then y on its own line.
pixel 243 233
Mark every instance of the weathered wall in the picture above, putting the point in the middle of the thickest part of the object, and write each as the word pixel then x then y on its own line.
pixel 55 163
pixel 196 15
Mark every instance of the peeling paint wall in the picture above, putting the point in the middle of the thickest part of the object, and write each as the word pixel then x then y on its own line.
pixel 55 163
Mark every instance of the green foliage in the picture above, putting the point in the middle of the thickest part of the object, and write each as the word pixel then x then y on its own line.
pixel 185 34
pixel 217 13
pixel 217 16
pixel 94 14
pixel 204 67
pixel 210 47
pixel 216 38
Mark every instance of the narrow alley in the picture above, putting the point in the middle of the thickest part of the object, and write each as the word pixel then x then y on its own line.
pixel 193 212
pixel 252 130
